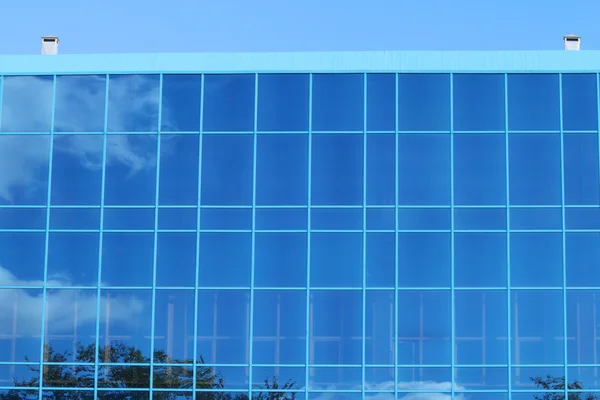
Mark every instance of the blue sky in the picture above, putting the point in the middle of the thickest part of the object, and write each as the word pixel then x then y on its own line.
pixel 117 26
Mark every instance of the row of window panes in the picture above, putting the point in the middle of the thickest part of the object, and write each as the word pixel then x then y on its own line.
pixel 338 102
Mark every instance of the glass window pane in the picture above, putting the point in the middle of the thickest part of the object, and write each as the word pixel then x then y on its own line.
pixel 280 259
pixel 228 103
pixel 235 219
pixel 75 218
pixel 282 169
pixel 424 218
pixel 77 169
pixel 424 327
pixel 580 106
pixel 481 325
pixel 381 102
pixel 130 170
pixel 380 259
pixel 535 175
pixel 281 219
pixel 533 102
pixel 424 259
pixel 127 259
pixel 536 259
pixel 73 258
pixel 181 96
pixel 381 169
pixel 227 169
pixel 223 326
pixel 535 218
pixel 219 265
pixel 335 327
pixel 337 169
pixel 174 326
pixel 133 102
pixel 126 326
pixel 177 218
pixel 379 334
pixel 582 253
pixel 27 103
pixel 279 328
pixel 79 103
pixel 336 219
pixel 480 218
pixel 480 259
pixel 424 102
pixel 479 169
pixel 582 218
pixel 381 218
pixel 22 258
pixel 536 333
pixel 424 169
pixel 22 218
pixel 336 259
pixel 129 218
pixel 20 325
pixel 179 169
pixel 583 312
pixel 581 168
pixel 335 378
pixel 478 102
pixel 338 102
pixel 176 259
pixel 482 378
pixel 27 157
pixel 283 102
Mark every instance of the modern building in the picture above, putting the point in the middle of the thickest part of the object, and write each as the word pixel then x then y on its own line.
pixel 387 225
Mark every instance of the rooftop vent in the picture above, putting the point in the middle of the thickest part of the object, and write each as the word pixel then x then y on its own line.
pixel 49 45
pixel 572 42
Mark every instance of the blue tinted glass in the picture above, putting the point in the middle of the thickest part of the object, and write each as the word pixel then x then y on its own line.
pixel 380 259
pixel 176 259
pixel 223 322
pixel 27 158
pixel 73 258
pixel 22 218
pixel 381 102
pixel 22 258
pixel 130 170
pixel 283 102
pixel 424 327
pixel 77 169
pixel 228 103
pixel 336 219
pixel 480 259
pixel 379 336
pixel 583 310
pixel 335 330
pixel 280 259
pixel 336 259
pixel 582 251
pixel 79 103
pixel 178 170
pixel 582 218
pixel 533 102
pixel 478 102
pixel 424 169
pixel 173 327
pixel 580 106
pixel 381 169
pixel 381 218
pixel 133 102
pixel 424 259
pixel 129 218
pixel 480 218
pixel 536 218
pixel 282 169
pixel 181 96
pixel 536 259
pixel 127 259
pixel 535 176
pixel 479 169
pixel 337 169
pixel 481 326
pixel 226 219
pixel 219 265
pixel 281 218
pixel 338 102
pixel 27 103
pixel 20 326
pixel 424 218
pixel 477 378
pixel 581 168
pixel 227 164
pixel 424 102
pixel 336 378
pixel 177 218
pixel 75 218
pixel 536 333
pixel 279 328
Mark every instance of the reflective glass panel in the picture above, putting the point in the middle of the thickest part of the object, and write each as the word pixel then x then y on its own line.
pixel 133 102
pixel 533 102
pixel 580 105
pixel 581 171
pixel 283 102
pixel 176 259
pixel 22 218
pixel 380 259
pixel 27 103
pixel 21 324
pixel 174 326
pixel 336 219
pixel 79 103
pixel 423 102
pixel 536 259
pixel 75 218
pixel 381 102
pixel 280 259
pixel 73 258
pixel 336 259
pixel 582 252
pixel 480 259
pixel 381 169
pixel 424 259
pixel 219 265
pixel 379 337
pixel 228 103
pixel 181 96
pixel 179 155
pixel 583 311
pixel 338 102
pixel 478 102
pixel 22 258
pixel 127 259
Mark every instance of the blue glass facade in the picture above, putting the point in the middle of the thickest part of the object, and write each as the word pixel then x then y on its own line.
pixel 310 234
